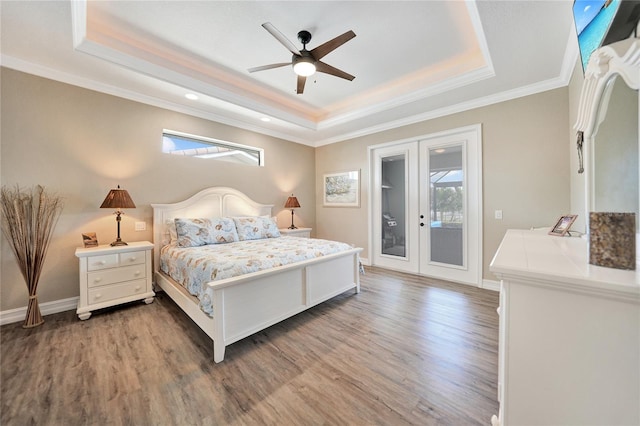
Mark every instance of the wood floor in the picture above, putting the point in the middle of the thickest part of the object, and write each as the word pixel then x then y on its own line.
pixel 406 350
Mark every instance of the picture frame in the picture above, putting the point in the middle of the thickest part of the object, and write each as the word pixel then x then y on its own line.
pixel 341 189
pixel 89 239
pixel 563 225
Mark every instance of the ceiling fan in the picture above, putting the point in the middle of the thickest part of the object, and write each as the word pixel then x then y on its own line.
pixel 307 62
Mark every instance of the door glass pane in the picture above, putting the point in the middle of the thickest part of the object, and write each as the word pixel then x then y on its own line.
pixel 393 204
pixel 447 205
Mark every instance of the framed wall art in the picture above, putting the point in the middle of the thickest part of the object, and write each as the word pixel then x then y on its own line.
pixel 341 189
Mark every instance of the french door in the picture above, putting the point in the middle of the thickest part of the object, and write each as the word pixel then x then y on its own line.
pixel 426 206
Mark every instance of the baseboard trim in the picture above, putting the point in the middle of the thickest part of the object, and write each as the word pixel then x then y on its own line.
pixel 47 308
pixel 490 285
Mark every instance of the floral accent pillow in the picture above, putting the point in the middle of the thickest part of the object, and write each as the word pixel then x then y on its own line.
pixel 255 228
pixel 200 232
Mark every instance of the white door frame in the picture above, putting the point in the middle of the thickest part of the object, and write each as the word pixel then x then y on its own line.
pixel 472 273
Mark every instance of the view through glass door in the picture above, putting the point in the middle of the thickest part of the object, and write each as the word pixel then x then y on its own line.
pixel 446 205
pixel 427 208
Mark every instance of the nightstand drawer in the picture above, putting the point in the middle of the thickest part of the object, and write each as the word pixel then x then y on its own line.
pixel 116 291
pixel 102 262
pixel 115 275
pixel 132 258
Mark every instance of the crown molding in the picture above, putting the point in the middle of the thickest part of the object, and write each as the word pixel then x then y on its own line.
pixel 508 95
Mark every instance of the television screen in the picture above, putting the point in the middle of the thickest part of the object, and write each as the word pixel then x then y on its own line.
pixel 592 20
pixel 602 22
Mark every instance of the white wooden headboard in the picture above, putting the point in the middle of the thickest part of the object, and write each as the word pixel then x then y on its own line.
pixel 212 202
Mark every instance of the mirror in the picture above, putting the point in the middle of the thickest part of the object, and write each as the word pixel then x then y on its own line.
pixel 608 120
pixel 615 153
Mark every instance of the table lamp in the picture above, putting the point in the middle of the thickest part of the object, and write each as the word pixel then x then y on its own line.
pixel 292 203
pixel 118 199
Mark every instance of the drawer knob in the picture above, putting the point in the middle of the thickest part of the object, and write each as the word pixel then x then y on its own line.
pixel 102 262
pixel 97 279
pixel 138 288
pixel 137 273
pixel 97 296
pixel 132 259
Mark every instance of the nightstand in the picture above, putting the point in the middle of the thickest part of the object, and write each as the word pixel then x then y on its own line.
pixel 298 232
pixel 113 275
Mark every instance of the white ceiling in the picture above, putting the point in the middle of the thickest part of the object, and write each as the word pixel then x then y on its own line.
pixel 413 60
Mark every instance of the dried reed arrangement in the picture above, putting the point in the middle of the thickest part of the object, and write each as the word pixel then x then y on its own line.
pixel 28 219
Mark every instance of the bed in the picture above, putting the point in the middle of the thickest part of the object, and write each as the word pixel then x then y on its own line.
pixel 246 304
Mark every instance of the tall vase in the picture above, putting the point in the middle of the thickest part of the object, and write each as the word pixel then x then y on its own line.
pixel 28 219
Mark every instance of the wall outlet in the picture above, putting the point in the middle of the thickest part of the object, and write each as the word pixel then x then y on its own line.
pixel 498 214
pixel 141 226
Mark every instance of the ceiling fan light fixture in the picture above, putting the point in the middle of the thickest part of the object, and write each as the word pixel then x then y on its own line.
pixel 304 67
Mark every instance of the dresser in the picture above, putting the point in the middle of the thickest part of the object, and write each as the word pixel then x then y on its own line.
pixel 569 348
pixel 113 275
pixel 298 232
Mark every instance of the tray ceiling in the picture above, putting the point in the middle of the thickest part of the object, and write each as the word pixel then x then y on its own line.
pixel 412 60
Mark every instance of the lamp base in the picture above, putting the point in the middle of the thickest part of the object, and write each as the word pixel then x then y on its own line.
pixel 292 225
pixel 118 242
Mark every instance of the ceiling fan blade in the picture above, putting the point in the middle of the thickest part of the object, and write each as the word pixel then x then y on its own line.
pixel 301 81
pixel 328 69
pixel 325 48
pixel 281 38
pixel 268 67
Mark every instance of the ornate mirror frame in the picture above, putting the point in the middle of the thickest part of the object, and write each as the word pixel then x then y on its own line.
pixel 617 59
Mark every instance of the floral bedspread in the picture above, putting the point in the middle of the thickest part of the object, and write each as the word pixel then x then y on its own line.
pixel 194 267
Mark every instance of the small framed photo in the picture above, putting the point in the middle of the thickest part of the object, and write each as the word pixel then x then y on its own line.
pixel 341 189
pixel 563 225
pixel 89 239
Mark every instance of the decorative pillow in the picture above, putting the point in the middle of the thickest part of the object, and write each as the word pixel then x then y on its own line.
pixel 171 230
pixel 255 228
pixel 199 232
pixel 224 230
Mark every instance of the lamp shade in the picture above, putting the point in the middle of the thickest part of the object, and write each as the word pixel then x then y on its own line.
pixel 118 199
pixel 292 203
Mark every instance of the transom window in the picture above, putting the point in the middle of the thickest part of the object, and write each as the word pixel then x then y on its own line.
pixel 178 143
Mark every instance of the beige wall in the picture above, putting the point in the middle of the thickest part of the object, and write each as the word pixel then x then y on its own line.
pixel 525 168
pixel 81 143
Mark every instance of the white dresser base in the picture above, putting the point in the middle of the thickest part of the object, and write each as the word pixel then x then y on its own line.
pixel 569 349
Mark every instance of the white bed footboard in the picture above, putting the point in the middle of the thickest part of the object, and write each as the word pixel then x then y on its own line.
pixel 245 305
